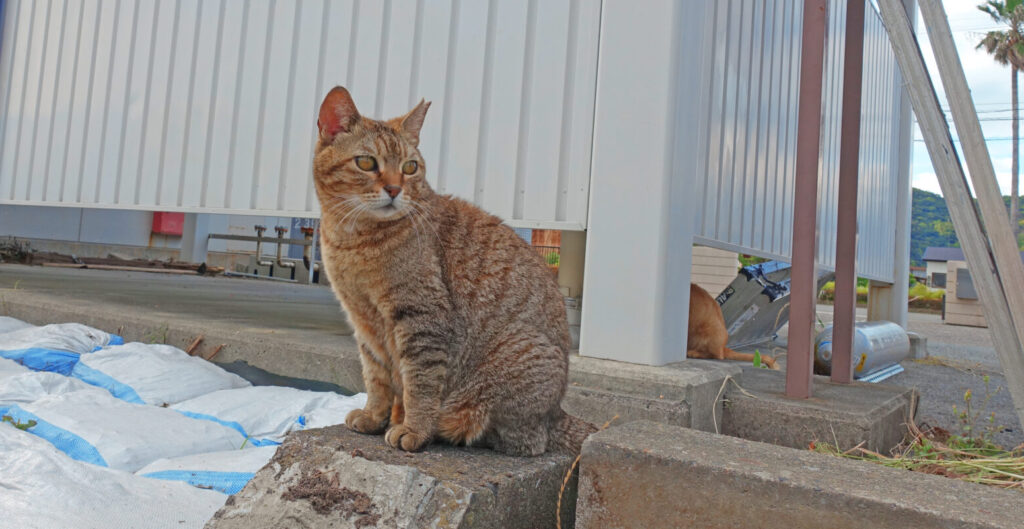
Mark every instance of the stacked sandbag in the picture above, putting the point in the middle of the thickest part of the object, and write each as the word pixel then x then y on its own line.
pixel 153 374
pixel 225 472
pixel 55 347
pixel 43 489
pixel 167 425
pixel 92 426
pixel 265 414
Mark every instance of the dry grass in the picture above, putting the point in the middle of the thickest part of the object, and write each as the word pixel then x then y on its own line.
pixel 949 362
pixel 935 451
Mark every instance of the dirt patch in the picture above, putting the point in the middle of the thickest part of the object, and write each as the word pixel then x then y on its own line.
pixel 325 496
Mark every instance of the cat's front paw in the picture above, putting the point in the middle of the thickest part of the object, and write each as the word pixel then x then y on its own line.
pixel 401 436
pixel 361 421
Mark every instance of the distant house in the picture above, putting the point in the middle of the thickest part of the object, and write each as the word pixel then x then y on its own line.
pixel 936 257
pixel 947 269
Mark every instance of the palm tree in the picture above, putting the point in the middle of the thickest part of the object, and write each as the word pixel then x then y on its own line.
pixel 1007 48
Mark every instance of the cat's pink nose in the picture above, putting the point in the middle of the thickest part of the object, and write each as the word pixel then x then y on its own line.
pixel 392 191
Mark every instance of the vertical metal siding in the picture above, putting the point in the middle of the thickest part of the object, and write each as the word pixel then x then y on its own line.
pixel 209 105
pixel 748 141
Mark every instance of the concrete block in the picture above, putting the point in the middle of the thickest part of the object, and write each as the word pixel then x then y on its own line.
pixel 335 478
pixel 845 413
pixel 650 476
pixel 682 393
pixel 918 345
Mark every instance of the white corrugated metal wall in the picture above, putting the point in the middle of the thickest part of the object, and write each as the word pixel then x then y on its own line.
pixel 189 105
pixel 752 68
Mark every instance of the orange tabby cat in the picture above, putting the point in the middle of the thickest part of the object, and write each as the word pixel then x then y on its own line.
pixel 461 328
pixel 706 334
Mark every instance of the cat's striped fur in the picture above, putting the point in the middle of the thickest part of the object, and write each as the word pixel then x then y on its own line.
pixel 461 327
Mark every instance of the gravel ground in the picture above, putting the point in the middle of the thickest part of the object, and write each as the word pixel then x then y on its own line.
pixel 960 358
pixel 943 386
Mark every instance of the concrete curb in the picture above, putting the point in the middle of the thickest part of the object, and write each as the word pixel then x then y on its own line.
pixel 648 475
pixel 274 352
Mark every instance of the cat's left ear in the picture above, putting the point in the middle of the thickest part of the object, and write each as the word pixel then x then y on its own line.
pixel 411 123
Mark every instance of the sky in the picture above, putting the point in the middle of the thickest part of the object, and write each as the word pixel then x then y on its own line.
pixel 990 87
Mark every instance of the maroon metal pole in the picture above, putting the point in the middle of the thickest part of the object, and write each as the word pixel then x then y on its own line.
pixel 846 220
pixel 805 206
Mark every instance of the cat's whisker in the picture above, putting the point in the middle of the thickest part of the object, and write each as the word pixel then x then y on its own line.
pixel 420 210
pixel 339 205
pixel 416 228
pixel 362 208
pixel 351 212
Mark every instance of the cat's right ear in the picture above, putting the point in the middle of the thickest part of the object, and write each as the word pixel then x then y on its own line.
pixel 337 113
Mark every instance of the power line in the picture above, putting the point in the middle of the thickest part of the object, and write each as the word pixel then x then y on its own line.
pixel 947 111
pixel 957 140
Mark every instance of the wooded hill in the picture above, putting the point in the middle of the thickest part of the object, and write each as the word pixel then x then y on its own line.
pixel 930 224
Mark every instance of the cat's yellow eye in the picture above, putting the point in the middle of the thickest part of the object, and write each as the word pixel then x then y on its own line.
pixel 410 167
pixel 366 163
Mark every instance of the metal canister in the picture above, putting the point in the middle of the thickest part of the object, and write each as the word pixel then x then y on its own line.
pixel 878 348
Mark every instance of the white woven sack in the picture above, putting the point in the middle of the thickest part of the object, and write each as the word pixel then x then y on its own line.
pixel 31 386
pixel 45 489
pixel 55 347
pixel 9 324
pixel 9 368
pixel 95 427
pixel 267 413
pixel 226 471
pixel 153 373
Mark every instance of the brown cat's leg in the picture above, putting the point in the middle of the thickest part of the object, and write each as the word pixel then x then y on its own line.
pixel 372 419
pixel 521 416
pixel 423 376
pixel 397 411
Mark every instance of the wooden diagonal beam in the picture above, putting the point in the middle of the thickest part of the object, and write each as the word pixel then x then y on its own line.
pixel 982 252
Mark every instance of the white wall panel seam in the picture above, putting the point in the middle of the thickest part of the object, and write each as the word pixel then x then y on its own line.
pixel 12 45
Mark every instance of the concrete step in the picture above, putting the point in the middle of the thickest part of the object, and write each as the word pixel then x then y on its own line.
pixel 847 414
pixel 646 475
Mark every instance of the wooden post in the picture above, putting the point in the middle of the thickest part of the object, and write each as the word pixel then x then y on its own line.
pixel 805 202
pixel 846 219
pixel 1001 303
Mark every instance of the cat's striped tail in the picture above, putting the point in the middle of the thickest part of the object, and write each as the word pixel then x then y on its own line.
pixel 568 433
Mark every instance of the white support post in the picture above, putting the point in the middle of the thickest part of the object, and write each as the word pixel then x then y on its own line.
pixel 640 232
pixel 194 237
pixel 897 310
pixel 889 303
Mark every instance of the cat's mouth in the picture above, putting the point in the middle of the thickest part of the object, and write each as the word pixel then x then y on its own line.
pixel 386 211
